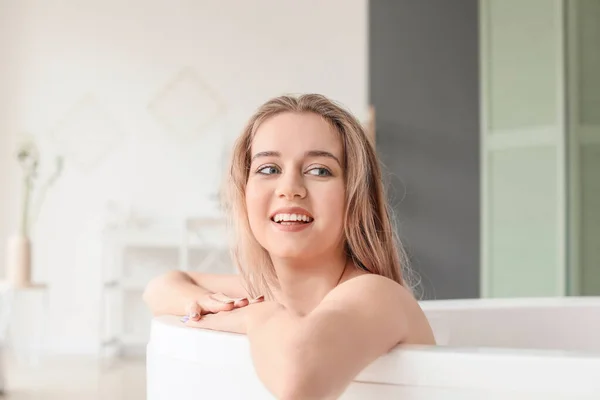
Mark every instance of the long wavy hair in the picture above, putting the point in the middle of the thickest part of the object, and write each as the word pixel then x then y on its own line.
pixel 369 235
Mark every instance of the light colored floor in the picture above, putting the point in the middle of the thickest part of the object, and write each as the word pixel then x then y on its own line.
pixel 76 379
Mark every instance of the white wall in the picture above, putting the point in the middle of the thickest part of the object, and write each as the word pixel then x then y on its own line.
pixel 8 78
pixel 85 78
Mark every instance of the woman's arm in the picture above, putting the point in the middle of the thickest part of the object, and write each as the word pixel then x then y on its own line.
pixel 318 355
pixel 181 293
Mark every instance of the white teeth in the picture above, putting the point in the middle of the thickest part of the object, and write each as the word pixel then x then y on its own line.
pixel 291 218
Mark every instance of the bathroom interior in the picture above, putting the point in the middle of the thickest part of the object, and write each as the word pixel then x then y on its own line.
pixel 116 123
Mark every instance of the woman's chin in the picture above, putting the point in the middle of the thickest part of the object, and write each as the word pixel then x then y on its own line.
pixel 303 248
pixel 292 250
pixel 289 254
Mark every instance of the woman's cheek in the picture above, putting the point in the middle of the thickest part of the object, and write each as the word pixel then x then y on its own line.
pixel 257 204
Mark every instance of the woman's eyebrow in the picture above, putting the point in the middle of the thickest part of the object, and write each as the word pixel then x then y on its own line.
pixel 266 154
pixel 310 153
pixel 322 153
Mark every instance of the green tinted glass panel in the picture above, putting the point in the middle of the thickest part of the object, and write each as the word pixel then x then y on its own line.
pixel 588 59
pixel 523 256
pixel 590 220
pixel 523 63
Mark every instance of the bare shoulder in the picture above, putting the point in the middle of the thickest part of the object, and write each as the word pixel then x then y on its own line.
pixel 378 295
pixel 372 287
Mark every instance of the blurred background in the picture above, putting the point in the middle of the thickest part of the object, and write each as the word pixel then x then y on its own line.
pixel 116 121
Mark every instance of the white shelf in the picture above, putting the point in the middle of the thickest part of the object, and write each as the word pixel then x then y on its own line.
pixel 133 257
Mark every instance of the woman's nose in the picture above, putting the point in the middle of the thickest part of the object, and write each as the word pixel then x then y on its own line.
pixel 291 186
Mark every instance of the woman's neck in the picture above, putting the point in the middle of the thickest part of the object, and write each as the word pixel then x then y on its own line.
pixel 303 283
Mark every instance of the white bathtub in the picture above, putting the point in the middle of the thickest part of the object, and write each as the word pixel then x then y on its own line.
pixel 492 349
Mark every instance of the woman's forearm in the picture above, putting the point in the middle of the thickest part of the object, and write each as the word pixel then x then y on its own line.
pixel 171 293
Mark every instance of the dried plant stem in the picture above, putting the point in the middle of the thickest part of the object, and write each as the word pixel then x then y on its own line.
pixel 25 212
pixel 38 205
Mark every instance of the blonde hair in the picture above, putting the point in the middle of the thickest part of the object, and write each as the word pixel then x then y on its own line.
pixel 370 238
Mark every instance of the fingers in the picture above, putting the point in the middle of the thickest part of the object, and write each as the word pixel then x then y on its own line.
pixel 222 298
pixel 193 311
pixel 236 302
pixel 241 303
pixel 245 301
pixel 217 302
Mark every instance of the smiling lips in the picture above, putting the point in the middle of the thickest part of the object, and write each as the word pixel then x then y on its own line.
pixel 289 218
pixel 292 219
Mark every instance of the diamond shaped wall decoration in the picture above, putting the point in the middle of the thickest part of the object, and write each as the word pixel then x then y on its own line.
pixel 186 106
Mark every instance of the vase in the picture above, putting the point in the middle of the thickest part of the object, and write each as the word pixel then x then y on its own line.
pixel 18 263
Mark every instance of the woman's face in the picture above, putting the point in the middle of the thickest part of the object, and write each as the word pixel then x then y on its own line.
pixel 295 191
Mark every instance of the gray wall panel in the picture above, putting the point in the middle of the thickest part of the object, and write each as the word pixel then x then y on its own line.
pixel 423 68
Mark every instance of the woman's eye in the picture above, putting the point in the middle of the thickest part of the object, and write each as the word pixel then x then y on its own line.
pixel 319 172
pixel 268 170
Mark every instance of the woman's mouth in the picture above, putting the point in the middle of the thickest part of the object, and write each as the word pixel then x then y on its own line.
pixel 291 219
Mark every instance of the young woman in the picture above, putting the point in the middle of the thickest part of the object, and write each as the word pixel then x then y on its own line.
pixel 321 292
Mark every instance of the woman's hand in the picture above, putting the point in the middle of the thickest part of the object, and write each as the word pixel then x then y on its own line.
pixel 215 303
pixel 237 320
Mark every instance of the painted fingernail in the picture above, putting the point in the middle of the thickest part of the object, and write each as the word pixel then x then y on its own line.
pixel 257 299
pixel 185 319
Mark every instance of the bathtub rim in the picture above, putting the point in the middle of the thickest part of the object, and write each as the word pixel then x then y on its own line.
pixel 554 371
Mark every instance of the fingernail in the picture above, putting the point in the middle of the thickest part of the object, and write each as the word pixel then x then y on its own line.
pixel 257 299
pixel 229 301
pixel 185 319
pixel 194 315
